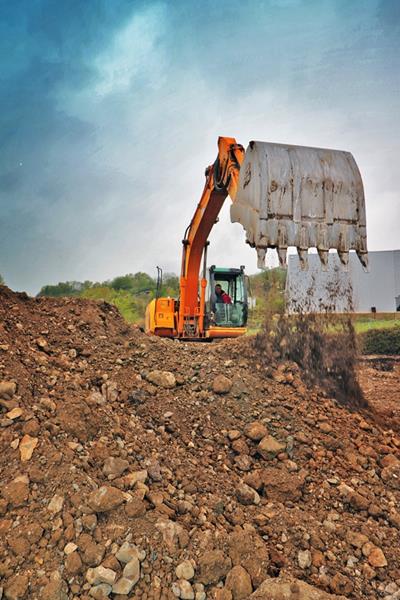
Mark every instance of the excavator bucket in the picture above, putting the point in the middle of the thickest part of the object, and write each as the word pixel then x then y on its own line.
pixel 302 197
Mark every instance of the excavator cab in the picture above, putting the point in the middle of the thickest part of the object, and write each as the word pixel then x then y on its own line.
pixel 226 319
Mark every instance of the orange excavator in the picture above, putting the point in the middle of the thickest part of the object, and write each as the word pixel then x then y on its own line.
pixel 283 196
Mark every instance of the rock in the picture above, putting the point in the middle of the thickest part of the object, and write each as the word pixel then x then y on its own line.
pixel 247 495
pixel 55 589
pixel 128 552
pixel 356 539
pixel 132 478
pixel 243 462
pixel 164 379
pixel 93 554
pixel 132 570
pixel 368 571
pixel 390 460
pixel 340 584
pixel 19 545
pixel 256 431
pixel 7 389
pixel 33 533
pixel 248 549
pixel 222 384
pixel 14 413
pixel 123 586
pixel 27 446
pixel 269 447
pixel 376 558
pixel 73 563
pixel 325 427
pixel 391 476
pixel 174 535
pixel 238 581
pixel 282 588
pixel 154 470
pixel 106 498
pixel 16 587
pixel 56 504
pixel 42 344
pixel 199 593
pixel 394 518
pixel 100 592
pixel 89 522
pixel 100 575
pixel 221 593
pixel 185 570
pixel 185 590
pixel 281 486
pixel 304 559
pixel 213 566
pixel 355 499
pixel 254 480
pixel 135 508
pixel 240 446
pixel 70 548
pixel 109 390
pixel 16 492
pixel 115 466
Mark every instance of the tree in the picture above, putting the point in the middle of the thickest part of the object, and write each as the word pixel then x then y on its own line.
pixel 170 285
pixel 137 283
pixel 2 282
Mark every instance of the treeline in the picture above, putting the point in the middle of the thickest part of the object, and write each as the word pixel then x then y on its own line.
pixel 139 283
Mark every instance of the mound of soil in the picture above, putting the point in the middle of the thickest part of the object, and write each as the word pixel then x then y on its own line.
pixel 137 467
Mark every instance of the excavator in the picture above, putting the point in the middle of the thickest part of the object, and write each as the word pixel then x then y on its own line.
pixel 284 196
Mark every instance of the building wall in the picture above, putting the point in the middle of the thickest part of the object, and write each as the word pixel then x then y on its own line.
pixel 340 291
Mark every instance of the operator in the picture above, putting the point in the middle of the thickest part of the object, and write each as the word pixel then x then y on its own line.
pixel 221 296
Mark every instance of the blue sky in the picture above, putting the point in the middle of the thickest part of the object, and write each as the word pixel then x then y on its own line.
pixel 110 111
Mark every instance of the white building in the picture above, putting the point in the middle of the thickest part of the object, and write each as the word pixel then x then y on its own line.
pixel 335 290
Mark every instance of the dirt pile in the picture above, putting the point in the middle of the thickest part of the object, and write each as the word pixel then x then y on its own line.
pixel 135 467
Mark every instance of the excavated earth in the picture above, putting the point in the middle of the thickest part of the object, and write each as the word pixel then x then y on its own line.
pixel 137 467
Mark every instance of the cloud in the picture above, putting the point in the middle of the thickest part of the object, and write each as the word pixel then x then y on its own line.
pixel 111 111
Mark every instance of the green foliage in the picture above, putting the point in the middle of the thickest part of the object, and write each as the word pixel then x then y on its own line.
pixel 1 280
pixel 137 283
pixel 65 288
pixel 381 341
pixel 130 306
pixel 170 285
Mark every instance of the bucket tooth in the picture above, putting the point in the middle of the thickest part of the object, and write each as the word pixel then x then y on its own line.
pixel 282 252
pixel 324 257
pixel 344 259
pixel 363 256
pixel 303 257
pixel 261 252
